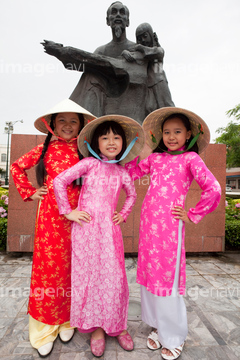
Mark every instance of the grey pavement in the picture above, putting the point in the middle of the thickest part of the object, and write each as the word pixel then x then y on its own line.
pixel 212 299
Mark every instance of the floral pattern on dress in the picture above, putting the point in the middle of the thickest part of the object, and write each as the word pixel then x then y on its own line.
pixel 99 284
pixel 50 289
pixel 171 177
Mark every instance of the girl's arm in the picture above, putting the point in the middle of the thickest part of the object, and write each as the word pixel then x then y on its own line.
pixel 151 53
pixel 129 188
pixel 18 171
pixel 136 170
pixel 211 190
pixel 61 182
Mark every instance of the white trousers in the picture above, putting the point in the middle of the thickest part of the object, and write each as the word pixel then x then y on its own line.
pixel 167 313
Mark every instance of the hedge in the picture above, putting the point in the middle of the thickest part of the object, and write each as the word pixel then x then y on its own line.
pixel 232 225
pixel 232 233
pixel 3 218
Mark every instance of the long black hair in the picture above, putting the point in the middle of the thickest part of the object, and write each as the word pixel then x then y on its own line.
pixel 103 129
pixel 161 147
pixel 40 168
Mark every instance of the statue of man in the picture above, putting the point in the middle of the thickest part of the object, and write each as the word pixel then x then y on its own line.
pixel 91 91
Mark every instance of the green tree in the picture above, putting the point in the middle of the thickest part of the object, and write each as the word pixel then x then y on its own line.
pixel 230 136
pixel 234 112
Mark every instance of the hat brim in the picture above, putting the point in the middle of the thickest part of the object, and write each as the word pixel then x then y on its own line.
pixel 66 105
pixel 131 129
pixel 153 125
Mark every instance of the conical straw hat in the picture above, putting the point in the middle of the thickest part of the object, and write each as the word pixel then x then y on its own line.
pixel 131 129
pixel 152 126
pixel 66 105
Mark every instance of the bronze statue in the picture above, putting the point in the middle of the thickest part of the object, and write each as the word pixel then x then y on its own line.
pixel 112 81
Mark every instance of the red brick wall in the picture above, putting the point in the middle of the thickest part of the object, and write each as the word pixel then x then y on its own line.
pixel 21 215
pixel 232 173
pixel 206 236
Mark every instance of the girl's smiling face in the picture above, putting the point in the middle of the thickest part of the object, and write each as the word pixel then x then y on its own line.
pixel 67 125
pixel 110 145
pixel 175 134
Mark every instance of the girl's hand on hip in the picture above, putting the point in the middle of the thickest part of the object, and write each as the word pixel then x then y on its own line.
pixel 39 194
pixel 117 218
pixel 181 214
pixel 77 216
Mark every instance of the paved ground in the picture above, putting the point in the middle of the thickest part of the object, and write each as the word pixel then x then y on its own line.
pixel 212 299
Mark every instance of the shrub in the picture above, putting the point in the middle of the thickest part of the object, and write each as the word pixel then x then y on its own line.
pixel 232 233
pixel 232 226
pixel 3 218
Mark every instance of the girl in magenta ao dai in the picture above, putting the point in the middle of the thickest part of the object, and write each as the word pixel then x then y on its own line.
pixel 161 258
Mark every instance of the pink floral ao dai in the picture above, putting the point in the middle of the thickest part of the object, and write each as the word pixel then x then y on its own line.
pixel 99 284
pixel 171 177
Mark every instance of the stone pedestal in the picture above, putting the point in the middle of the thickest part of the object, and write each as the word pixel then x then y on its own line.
pixel 207 236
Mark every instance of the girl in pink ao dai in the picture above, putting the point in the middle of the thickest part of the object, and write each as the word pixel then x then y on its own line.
pixel 100 292
pixel 176 136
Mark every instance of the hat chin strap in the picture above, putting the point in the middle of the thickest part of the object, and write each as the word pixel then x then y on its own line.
pixel 192 142
pixel 126 152
pixel 52 132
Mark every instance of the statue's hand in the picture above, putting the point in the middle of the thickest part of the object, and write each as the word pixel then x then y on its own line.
pixel 51 47
pixel 140 47
pixel 128 56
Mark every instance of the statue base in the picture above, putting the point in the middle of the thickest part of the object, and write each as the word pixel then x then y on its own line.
pixel 207 236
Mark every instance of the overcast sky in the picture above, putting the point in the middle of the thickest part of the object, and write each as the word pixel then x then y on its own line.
pixel 200 39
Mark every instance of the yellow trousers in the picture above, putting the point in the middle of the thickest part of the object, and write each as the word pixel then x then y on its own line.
pixel 41 334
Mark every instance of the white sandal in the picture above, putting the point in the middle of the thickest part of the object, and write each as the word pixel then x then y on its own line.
pixel 45 350
pixel 175 353
pixel 66 335
pixel 153 336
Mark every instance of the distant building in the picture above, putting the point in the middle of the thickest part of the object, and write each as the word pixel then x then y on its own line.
pixel 233 178
pixel 3 163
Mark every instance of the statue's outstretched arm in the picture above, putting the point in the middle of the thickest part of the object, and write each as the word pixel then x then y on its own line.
pixel 63 54
pixel 73 59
